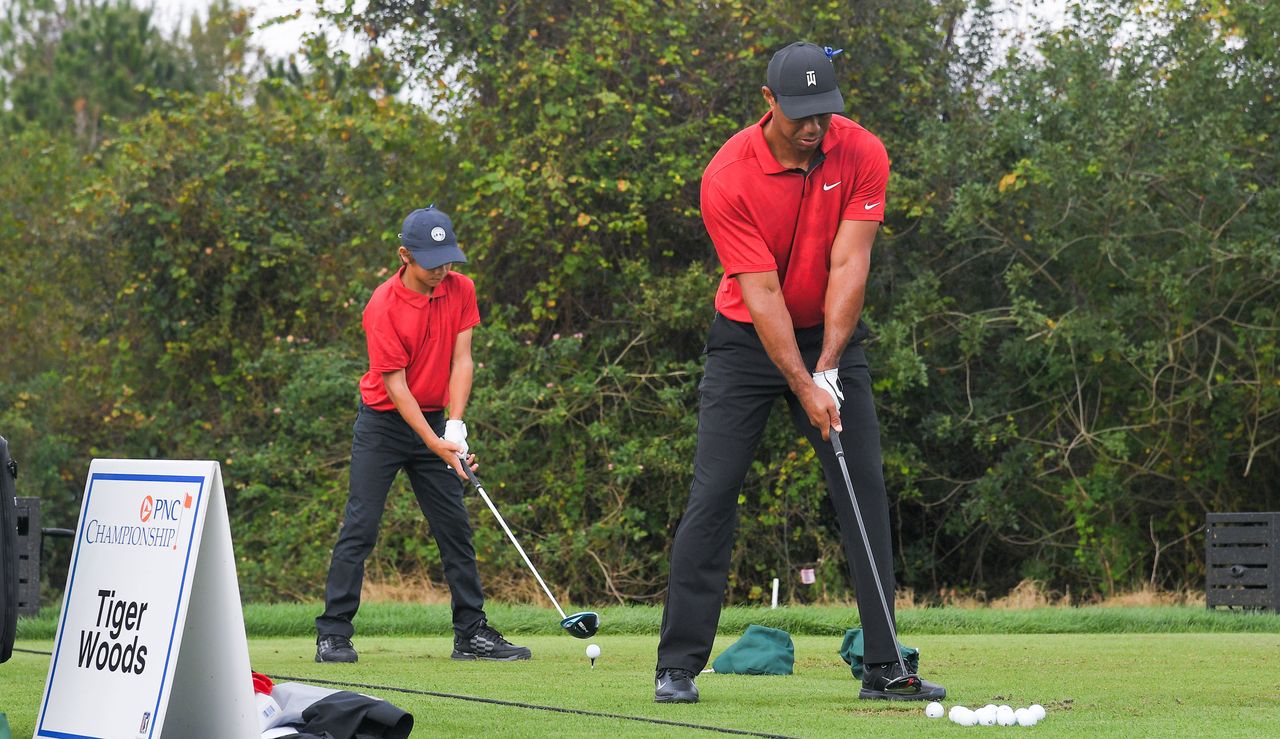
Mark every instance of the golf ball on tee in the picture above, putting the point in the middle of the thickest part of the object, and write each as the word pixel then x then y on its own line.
pixel 933 710
pixel 593 651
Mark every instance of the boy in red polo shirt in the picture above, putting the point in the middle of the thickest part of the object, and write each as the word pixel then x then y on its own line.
pixel 792 205
pixel 418 327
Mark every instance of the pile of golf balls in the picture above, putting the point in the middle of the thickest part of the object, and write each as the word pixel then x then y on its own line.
pixel 989 715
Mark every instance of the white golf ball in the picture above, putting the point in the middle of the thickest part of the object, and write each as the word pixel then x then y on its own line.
pixel 1024 717
pixel 933 710
pixel 956 711
pixel 986 716
pixel 593 651
pixel 1036 710
pixel 963 716
pixel 1005 717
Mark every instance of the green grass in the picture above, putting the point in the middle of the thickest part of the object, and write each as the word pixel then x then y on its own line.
pixel 1158 671
pixel 401 619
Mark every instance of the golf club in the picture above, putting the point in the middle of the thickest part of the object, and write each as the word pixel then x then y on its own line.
pixel 908 683
pixel 582 625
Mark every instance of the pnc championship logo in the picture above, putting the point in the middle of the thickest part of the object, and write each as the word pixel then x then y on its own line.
pixel 159 518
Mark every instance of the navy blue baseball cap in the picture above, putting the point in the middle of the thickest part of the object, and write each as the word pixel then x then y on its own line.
pixel 803 80
pixel 428 235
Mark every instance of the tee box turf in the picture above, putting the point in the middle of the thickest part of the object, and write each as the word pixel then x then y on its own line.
pixel 1242 560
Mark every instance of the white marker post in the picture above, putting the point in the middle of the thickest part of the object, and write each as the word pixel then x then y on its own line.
pixel 151 639
pixel 775 593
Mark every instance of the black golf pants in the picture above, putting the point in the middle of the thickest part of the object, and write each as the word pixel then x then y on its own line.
pixel 384 444
pixel 738 389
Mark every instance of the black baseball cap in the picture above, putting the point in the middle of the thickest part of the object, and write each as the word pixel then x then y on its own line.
pixel 803 80
pixel 428 235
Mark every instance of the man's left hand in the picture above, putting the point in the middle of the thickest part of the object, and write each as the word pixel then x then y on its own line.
pixel 455 431
pixel 829 380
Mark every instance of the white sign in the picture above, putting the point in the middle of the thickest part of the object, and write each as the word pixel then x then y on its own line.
pixel 151 637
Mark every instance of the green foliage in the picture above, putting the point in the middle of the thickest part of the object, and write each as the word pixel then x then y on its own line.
pixel 1074 294
pixel 581 135
pixel 68 65
pixel 216 259
pixel 1116 379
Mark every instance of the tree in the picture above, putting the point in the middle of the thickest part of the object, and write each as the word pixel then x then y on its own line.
pixel 68 64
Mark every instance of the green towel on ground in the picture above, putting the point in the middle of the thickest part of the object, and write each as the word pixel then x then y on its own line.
pixel 852 649
pixel 760 651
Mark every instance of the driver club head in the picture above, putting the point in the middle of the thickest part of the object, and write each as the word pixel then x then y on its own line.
pixel 582 625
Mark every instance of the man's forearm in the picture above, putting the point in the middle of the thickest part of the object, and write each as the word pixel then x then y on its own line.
pixel 842 311
pixel 763 298
pixel 846 288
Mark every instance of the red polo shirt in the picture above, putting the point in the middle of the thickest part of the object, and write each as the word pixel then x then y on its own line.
pixel 762 217
pixel 409 331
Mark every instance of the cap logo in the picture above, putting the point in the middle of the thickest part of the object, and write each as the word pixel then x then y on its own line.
pixel 811 78
pixel 437 233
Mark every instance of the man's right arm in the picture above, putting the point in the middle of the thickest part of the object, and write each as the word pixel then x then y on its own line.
pixel 398 390
pixel 762 294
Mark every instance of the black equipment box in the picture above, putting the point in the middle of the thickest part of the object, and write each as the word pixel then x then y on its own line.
pixel 1242 560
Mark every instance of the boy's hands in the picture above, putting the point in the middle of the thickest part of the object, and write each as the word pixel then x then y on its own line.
pixel 451 453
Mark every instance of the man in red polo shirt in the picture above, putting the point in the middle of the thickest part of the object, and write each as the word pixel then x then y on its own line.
pixel 792 205
pixel 418 328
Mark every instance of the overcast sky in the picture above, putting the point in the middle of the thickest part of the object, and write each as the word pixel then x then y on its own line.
pixel 278 40
pixel 282 39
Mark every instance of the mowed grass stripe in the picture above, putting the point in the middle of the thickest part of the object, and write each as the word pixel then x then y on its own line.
pixel 407 619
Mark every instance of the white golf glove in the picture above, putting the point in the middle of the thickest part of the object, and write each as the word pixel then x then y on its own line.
pixel 829 380
pixel 455 431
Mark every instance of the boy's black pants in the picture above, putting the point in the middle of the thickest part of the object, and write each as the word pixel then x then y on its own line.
pixel 384 444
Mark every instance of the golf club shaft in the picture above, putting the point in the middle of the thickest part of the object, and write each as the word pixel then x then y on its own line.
pixel 512 537
pixel 871 558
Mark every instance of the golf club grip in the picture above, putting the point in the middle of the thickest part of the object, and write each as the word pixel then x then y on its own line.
pixel 835 444
pixel 485 496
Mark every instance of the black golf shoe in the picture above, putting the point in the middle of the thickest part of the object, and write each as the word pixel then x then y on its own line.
pixel 674 685
pixel 889 682
pixel 487 643
pixel 334 648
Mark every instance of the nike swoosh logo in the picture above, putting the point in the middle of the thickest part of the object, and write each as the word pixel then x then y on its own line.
pixel 828 187
pixel 869 206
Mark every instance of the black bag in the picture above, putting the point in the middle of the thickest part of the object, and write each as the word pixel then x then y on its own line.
pixel 8 552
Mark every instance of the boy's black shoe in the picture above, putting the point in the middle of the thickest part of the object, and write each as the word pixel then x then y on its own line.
pixel 487 643
pixel 674 685
pixel 889 682
pixel 334 648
